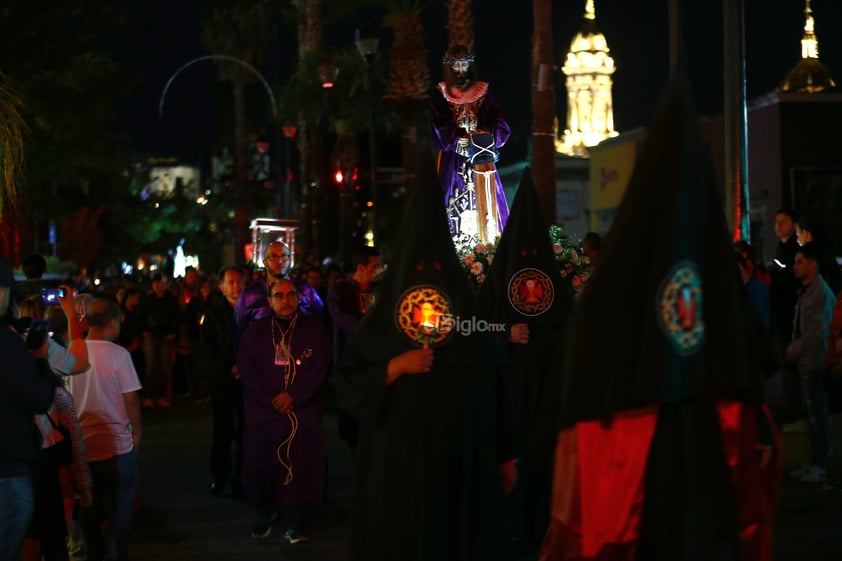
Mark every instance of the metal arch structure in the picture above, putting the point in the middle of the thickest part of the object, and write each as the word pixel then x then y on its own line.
pixel 242 63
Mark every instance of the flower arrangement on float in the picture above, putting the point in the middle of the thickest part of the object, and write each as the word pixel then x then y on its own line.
pixel 476 259
pixel 575 269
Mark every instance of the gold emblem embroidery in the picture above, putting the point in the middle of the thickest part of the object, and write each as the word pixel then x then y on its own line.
pixel 531 292
pixel 424 316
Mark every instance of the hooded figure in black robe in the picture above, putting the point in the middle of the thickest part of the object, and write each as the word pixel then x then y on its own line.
pixel 430 399
pixel 661 407
pixel 523 286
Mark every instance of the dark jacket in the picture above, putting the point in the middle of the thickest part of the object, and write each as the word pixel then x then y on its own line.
pixel 161 316
pixel 26 389
pixel 217 336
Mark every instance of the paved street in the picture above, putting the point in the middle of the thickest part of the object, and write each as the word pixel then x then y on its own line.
pixel 179 520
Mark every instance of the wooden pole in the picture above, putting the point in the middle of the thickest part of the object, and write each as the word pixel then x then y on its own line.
pixel 543 108
pixel 735 120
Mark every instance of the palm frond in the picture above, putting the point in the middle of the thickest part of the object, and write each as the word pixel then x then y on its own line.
pixel 12 130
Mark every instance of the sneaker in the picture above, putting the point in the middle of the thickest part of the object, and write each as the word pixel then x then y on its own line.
pixel 263 525
pixel 815 475
pixel 799 426
pixel 292 537
pixel 261 529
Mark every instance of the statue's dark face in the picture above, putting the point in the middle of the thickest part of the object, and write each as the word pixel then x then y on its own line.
pixel 460 73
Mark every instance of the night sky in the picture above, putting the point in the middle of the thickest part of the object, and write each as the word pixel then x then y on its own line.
pixel 162 36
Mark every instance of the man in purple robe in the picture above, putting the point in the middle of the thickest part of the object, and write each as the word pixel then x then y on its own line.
pixel 283 360
pixel 468 128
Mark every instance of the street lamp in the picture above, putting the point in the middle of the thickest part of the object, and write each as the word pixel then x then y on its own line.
pixel 367 40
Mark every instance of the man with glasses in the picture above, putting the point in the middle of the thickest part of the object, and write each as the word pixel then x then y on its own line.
pixel 253 302
pixel 283 360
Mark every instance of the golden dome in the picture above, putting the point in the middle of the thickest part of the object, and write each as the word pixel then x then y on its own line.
pixel 589 40
pixel 589 50
pixel 808 76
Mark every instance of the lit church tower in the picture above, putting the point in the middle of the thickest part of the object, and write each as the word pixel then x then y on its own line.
pixel 809 75
pixel 590 109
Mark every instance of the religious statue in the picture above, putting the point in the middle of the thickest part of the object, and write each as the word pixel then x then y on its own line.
pixel 468 128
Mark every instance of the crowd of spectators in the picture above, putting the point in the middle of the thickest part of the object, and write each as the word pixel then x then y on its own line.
pixel 155 339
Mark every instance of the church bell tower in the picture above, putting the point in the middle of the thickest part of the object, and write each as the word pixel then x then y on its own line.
pixel 590 110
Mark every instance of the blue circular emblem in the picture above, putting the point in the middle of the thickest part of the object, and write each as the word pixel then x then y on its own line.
pixel 679 308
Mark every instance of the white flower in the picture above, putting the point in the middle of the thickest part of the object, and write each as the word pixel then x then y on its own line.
pixel 490 258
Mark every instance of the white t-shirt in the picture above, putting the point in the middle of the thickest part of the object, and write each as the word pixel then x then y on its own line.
pixel 98 394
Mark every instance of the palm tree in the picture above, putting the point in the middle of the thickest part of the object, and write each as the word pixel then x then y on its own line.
pixel 460 23
pixel 240 30
pixel 543 108
pixel 310 138
pixel 12 130
pixel 408 85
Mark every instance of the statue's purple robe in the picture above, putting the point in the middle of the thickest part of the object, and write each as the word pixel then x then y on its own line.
pixel 490 117
pixel 266 429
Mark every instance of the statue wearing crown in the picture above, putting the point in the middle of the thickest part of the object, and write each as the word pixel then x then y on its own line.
pixel 469 127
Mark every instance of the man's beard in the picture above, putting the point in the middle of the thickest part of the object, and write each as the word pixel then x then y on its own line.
pixel 463 82
pixel 287 315
pixel 456 81
pixel 284 272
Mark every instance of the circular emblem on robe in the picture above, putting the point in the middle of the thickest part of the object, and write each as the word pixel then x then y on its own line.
pixel 531 292
pixel 680 308
pixel 424 315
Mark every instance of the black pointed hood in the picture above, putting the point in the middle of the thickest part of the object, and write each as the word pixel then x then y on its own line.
pixel 523 283
pixel 424 280
pixel 664 317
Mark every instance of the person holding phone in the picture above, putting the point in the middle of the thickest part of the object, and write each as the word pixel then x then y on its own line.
pixel 73 359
